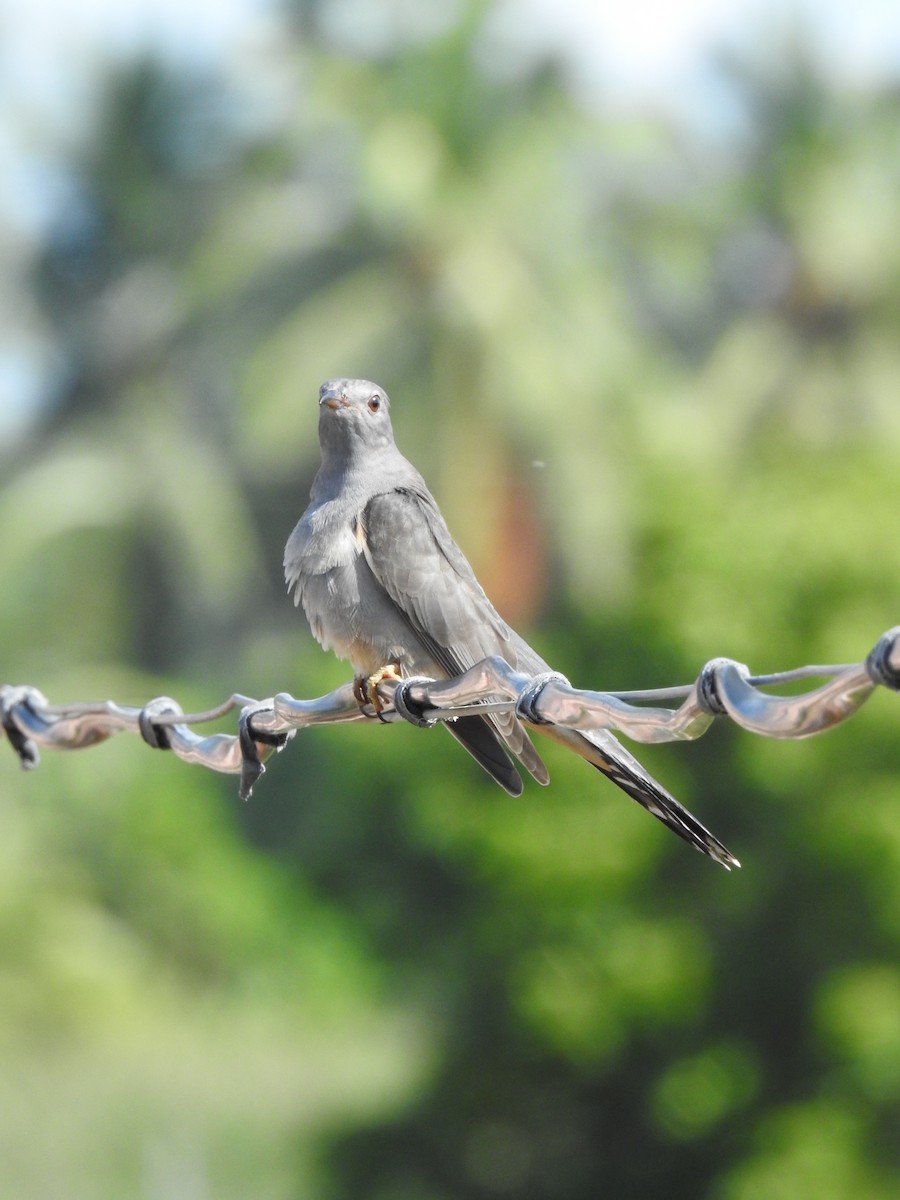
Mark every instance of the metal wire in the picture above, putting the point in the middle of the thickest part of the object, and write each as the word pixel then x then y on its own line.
pixel 722 688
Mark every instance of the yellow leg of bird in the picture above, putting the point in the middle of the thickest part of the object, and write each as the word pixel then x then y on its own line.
pixel 365 687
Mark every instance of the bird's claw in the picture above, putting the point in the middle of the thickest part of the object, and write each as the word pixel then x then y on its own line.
pixel 365 687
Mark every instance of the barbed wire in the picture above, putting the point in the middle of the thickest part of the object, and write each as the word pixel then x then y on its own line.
pixel 723 688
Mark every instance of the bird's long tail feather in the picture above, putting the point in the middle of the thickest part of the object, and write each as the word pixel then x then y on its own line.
pixel 605 753
pixel 485 746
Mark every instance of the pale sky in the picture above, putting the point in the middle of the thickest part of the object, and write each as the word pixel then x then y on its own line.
pixel 627 52
pixel 647 44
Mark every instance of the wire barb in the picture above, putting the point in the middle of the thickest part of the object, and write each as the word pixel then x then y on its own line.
pixel 20 699
pixel 153 733
pixel 883 664
pixel 526 705
pixel 708 696
pixel 406 708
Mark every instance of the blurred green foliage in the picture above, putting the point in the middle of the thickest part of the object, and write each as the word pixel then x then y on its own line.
pixel 652 378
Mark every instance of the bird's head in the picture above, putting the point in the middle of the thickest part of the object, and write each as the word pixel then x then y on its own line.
pixel 354 418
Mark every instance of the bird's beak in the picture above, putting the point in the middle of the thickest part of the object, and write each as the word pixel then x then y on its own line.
pixel 333 400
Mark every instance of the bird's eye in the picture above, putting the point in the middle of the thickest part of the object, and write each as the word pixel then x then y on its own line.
pixel 374 403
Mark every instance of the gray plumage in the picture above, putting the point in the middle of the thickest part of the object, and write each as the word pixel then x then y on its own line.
pixel 382 581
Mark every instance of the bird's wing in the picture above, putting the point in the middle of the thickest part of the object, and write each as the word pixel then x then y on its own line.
pixel 421 568
pixel 413 557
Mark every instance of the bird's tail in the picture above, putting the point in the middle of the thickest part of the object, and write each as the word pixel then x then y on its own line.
pixel 485 746
pixel 494 742
pixel 602 751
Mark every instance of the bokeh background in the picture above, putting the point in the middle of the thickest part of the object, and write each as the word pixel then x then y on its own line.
pixel 633 282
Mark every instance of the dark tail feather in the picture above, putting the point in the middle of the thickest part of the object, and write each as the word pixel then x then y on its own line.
pixel 602 751
pixel 487 749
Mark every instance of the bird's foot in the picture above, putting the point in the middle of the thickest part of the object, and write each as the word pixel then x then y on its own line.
pixel 365 687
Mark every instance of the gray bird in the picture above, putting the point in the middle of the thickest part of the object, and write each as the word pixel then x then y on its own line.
pixel 384 585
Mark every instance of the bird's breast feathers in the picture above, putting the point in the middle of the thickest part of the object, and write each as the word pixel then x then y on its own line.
pixel 347 609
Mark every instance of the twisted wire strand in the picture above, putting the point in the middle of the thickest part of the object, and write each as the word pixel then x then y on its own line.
pixel 723 688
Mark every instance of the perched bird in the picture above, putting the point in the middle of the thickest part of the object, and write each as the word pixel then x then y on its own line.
pixel 384 585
